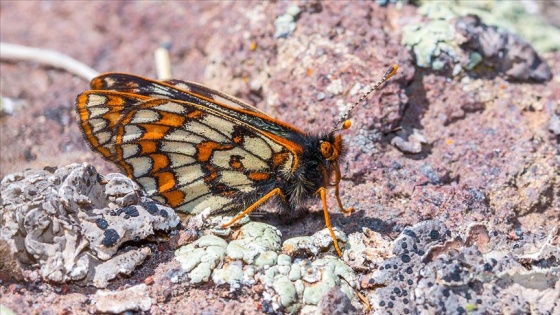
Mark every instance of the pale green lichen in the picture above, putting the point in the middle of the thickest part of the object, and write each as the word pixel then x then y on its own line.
pixel 302 244
pixel 255 241
pixel 286 290
pixel 474 59
pixel 231 274
pixel 253 257
pixel 437 44
pixel 285 24
pixel 509 15
pixel 200 258
pixel 430 41
pixel 314 244
pixel 267 258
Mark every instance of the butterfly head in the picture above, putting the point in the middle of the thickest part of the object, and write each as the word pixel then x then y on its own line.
pixel 331 150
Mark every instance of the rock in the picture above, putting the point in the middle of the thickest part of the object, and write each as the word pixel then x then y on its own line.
pixel 69 220
pixel 135 298
pixel 336 302
pixel 124 263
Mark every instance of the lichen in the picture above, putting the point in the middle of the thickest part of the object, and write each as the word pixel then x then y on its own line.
pixel 434 271
pixel 254 257
pixel 450 39
pixel 71 222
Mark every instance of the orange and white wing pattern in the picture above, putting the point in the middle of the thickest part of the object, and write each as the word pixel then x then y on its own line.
pixel 186 150
pixel 170 89
pixel 192 147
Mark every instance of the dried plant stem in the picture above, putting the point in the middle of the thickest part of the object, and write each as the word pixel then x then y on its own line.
pixel 47 57
pixel 163 64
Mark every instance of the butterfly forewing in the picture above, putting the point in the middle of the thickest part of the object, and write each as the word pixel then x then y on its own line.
pixel 184 153
pixel 185 91
pixel 171 89
pixel 214 95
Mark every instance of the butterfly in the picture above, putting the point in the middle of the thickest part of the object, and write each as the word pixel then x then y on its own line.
pixel 192 147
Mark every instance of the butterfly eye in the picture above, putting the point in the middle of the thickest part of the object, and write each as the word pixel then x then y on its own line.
pixel 327 150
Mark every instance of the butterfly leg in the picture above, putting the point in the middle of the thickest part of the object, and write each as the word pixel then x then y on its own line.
pixel 336 189
pixel 323 194
pixel 275 191
pixel 337 194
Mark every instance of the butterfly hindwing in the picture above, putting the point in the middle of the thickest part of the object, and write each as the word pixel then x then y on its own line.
pixel 99 114
pixel 185 154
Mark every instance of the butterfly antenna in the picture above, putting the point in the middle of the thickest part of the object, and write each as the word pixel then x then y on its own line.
pixel 343 120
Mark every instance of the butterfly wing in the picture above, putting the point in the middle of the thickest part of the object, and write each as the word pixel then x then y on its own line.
pixel 208 98
pixel 216 96
pixel 184 150
pixel 170 89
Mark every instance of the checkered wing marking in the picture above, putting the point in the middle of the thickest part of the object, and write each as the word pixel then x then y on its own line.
pixel 184 154
pixel 169 89
pixel 197 94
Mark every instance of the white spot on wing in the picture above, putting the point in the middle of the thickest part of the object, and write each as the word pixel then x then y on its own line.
pixel 103 137
pixel 97 111
pixel 149 185
pixel 171 107
pixel 161 90
pixel 145 116
pixel 130 150
pixel 250 162
pixel 215 203
pixel 203 130
pixel 183 135
pixel 222 125
pixel 140 165
pixel 131 133
pixel 178 160
pixel 96 100
pixel 259 147
pixel 237 180
pixel 109 82
pixel 178 147
pixel 187 174
pixel 194 190
pixel 97 124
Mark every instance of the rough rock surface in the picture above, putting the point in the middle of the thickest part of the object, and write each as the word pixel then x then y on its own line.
pixel 428 269
pixel 71 221
pixel 470 149
pixel 135 298
pixel 452 42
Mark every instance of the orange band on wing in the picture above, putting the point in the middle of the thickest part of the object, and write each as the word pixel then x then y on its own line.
pixel 170 119
pixel 160 161
pixel 166 181
pixel 258 176
pixel 154 132
pixel 291 146
pixel 147 147
pixel 173 197
pixel 206 148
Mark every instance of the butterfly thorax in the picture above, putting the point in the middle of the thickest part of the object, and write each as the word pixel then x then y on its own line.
pixel 319 168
